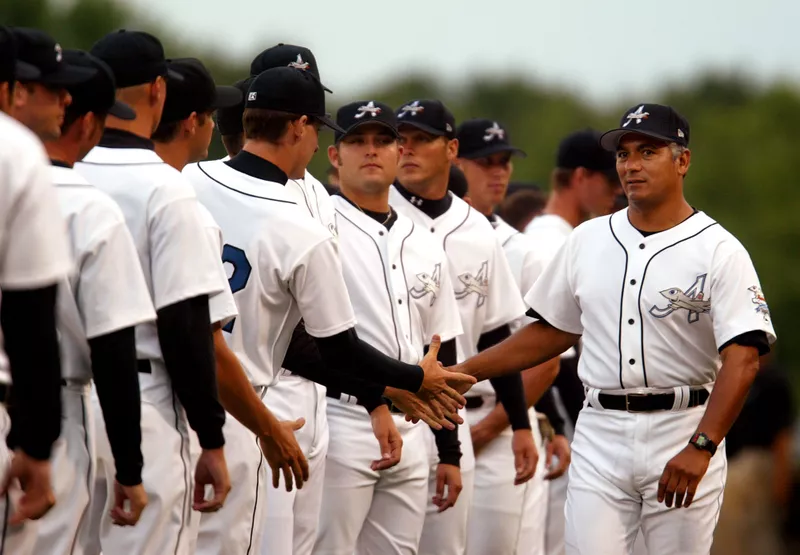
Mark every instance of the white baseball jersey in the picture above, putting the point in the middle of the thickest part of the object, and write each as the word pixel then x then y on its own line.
pixel 282 266
pixel 162 214
pixel 309 192
pixel 485 289
pixel 653 311
pixel 33 246
pixel 222 306
pixel 105 290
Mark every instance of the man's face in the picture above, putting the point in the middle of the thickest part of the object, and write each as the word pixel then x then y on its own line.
pixel 488 179
pixel 366 159
pixel 597 193
pixel 200 141
pixel 422 156
pixel 41 108
pixel 647 170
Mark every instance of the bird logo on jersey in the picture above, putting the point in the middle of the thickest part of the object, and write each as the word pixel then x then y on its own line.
pixel 430 284
pixel 760 301
pixel 638 115
pixel 692 301
pixel 370 109
pixel 414 108
pixel 494 132
pixel 478 284
pixel 299 63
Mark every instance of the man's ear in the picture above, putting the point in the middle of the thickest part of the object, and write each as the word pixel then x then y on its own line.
pixel 452 150
pixel 333 156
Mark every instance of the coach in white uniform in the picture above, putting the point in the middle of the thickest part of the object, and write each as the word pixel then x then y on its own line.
pixel 673 321
pixel 400 287
pixel 176 356
pixel 506 517
pixel 33 259
pixel 487 295
pixel 96 325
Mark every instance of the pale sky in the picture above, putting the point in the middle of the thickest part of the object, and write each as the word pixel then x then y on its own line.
pixel 605 50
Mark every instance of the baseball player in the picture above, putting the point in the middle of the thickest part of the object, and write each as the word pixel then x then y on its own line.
pixel 284 266
pixel 399 284
pixel 506 518
pixel 634 285
pixel 96 325
pixel 488 301
pixel 175 355
pixel 33 259
pixel 583 183
pixel 183 135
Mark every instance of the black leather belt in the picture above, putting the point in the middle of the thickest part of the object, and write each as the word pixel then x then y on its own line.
pixel 474 402
pixel 144 366
pixel 650 402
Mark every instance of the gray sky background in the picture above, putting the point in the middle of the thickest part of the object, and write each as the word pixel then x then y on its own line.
pixel 604 50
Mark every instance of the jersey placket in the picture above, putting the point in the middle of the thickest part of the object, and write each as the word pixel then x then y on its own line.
pixel 632 372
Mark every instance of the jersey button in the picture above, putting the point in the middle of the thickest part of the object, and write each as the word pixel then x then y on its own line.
pixel 394 266
pixel 631 362
pixel 630 321
pixel 380 233
pixel 399 301
pixel 641 245
pixel 633 282
pixel 432 230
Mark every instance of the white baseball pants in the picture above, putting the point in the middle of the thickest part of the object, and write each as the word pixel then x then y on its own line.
pixel 617 460
pixel 557 493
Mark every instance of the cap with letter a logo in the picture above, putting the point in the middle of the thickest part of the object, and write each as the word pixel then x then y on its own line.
pixel 430 116
pixel 479 138
pixel 38 49
pixel 353 115
pixel 286 55
pixel 653 120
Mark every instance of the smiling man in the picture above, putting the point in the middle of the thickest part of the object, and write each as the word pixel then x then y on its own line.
pixel 664 378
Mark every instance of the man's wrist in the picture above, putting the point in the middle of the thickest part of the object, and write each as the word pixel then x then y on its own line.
pixel 703 443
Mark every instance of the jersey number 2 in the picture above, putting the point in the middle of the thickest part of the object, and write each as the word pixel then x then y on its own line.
pixel 241 273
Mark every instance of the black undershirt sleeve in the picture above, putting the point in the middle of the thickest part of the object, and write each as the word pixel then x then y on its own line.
pixel 28 320
pixel 187 345
pixel 116 378
pixel 754 338
pixel 509 389
pixel 447 442
pixel 547 406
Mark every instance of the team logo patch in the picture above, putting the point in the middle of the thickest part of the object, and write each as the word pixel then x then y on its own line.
pixel 251 96
pixel 760 301
pixel 494 132
pixel 429 284
pixel 415 201
pixel 477 284
pixel 299 63
pixel 414 108
pixel 692 300
pixel 370 109
pixel 638 115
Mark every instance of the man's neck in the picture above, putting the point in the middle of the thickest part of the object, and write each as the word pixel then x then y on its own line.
pixel 433 189
pixel 564 205
pixel 62 152
pixel 659 218
pixel 375 202
pixel 141 126
pixel 277 154
pixel 173 154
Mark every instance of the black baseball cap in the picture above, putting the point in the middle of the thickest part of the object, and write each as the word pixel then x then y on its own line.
pixel 430 116
pixel 135 57
pixel 38 49
pixel 478 138
pixel 298 57
pixel 229 120
pixel 98 94
pixel 457 182
pixel 290 90
pixel 12 68
pixel 654 120
pixel 582 149
pixel 350 116
pixel 196 92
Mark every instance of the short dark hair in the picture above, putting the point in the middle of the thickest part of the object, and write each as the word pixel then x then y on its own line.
pixel 71 116
pixel 560 177
pixel 233 143
pixel 266 125
pixel 519 207
pixel 167 132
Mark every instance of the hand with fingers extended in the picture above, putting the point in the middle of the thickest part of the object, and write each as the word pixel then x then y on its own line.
pixel 284 454
pixel 440 384
pixel 448 477
pixel 32 476
pixel 526 456
pixel 558 447
pixel 682 475
pixel 136 499
pixel 389 440
pixel 434 413
pixel 211 470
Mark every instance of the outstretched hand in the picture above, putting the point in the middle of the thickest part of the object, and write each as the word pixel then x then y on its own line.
pixel 439 384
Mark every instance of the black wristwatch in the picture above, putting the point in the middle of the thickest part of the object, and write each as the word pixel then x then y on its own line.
pixel 703 442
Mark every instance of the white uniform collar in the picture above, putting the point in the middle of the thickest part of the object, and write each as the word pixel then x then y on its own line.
pixel 67 176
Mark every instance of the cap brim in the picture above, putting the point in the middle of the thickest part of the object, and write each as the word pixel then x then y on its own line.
pixel 326 89
pixel 227 97
pixel 68 75
pixel 610 139
pixel 26 72
pixel 493 149
pixel 328 122
pixel 122 111
pixel 421 126
pixel 355 126
pixel 174 75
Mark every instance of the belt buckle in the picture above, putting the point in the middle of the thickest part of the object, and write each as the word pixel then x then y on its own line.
pixel 627 400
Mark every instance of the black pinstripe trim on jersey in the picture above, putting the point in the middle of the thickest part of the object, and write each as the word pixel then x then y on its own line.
pixel 385 281
pixel 255 503
pixel 5 524
pixel 405 280
pixel 621 298
pixel 88 474
pixel 449 233
pixel 639 302
pixel 305 198
pixel 242 192
pixel 186 482
pixel 316 200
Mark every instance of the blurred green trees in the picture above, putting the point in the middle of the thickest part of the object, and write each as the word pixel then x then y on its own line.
pixel 745 138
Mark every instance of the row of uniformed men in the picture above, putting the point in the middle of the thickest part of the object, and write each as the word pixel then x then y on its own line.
pixel 373 284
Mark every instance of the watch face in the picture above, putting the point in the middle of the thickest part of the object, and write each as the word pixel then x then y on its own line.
pixel 701 441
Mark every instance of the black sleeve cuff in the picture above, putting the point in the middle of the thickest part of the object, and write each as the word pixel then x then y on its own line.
pixel 547 406
pixel 448 446
pixel 754 338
